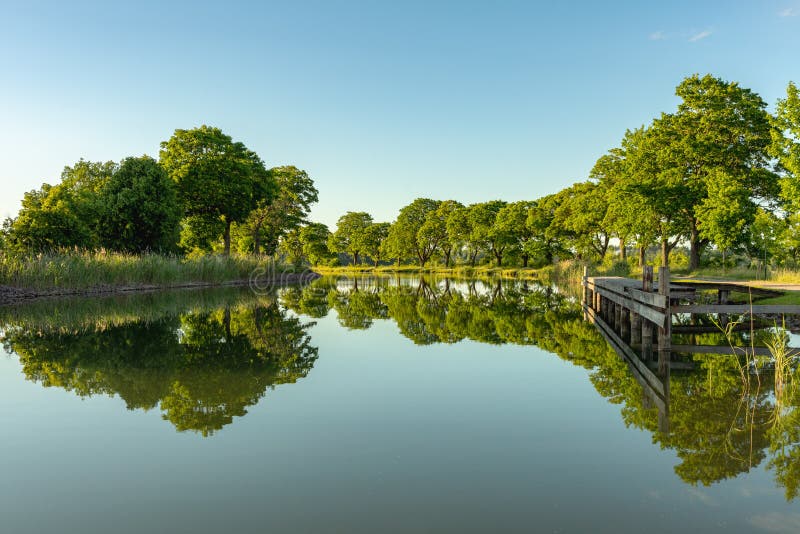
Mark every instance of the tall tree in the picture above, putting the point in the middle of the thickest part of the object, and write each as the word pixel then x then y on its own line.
pixel 314 237
pixel 628 215
pixel 547 239
pixel 582 212
pixel 658 196
pixel 287 211
pixel 64 215
pixel 406 240
pixel 482 237
pixel 348 237
pixel 141 211
pixel 216 176
pixel 372 241
pixel 718 125
pixel 726 213
pixel 511 222
pixel 433 231
pixel 786 146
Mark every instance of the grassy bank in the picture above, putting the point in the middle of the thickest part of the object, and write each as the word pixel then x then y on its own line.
pixel 571 272
pixel 85 270
pixel 567 272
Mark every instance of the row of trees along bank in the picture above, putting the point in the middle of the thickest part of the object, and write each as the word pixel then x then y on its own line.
pixel 720 172
pixel 206 192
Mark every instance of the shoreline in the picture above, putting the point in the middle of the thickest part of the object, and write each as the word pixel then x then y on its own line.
pixel 10 295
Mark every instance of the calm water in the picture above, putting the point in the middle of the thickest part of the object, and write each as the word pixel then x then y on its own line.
pixel 393 406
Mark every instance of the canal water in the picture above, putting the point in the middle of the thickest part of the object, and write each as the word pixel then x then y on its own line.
pixel 372 405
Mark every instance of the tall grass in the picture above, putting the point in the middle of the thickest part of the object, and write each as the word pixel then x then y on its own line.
pixel 84 270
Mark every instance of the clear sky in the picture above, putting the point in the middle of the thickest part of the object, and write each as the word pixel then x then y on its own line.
pixel 381 102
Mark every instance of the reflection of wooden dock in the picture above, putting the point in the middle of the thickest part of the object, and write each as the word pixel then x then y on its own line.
pixel 636 315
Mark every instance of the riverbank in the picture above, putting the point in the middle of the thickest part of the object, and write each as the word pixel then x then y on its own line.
pixel 101 273
pixel 12 295
pixel 566 270
pixel 571 272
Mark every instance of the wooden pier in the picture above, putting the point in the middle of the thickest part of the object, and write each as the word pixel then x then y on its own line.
pixel 635 317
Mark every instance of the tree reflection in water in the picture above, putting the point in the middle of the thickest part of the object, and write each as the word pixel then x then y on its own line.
pixel 204 367
pixel 719 427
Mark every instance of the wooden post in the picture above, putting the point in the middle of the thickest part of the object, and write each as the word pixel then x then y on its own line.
pixel 588 296
pixel 636 329
pixel 647 330
pixel 665 330
pixel 585 284
pixel 647 340
pixel 625 325
pixel 722 298
pixel 617 318
pixel 647 278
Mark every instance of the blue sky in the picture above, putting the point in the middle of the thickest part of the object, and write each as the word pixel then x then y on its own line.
pixel 380 102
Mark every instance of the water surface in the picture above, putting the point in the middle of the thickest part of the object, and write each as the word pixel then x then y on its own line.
pixel 395 405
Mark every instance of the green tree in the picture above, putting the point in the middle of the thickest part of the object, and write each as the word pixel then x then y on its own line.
pixel 347 239
pixel 548 239
pixel 786 146
pixel 405 239
pixel 481 235
pixel 314 237
pixel 718 125
pixel 291 245
pixel 64 215
pixel 141 211
pixel 275 217
pixel 627 215
pixel 433 231
pixel 216 177
pixel 511 222
pixel 660 197
pixel 582 212
pixel 459 230
pixel 726 213
pixel 372 241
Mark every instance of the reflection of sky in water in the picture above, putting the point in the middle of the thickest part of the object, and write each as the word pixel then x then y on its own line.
pixel 381 435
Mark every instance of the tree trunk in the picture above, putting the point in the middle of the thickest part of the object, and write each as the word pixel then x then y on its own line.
pixel 472 258
pixel 623 253
pixel 665 252
pixel 694 249
pixel 355 258
pixel 227 238
pixel 642 255
pixel 257 240
pixel 524 260
pixel 499 256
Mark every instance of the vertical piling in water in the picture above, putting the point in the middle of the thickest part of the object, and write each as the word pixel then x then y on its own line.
pixel 665 330
pixel 625 325
pixel 586 293
pixel 636 329
pixel 646 328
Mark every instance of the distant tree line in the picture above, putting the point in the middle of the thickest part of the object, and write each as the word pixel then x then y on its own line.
pixel 719 173
pixel 206 192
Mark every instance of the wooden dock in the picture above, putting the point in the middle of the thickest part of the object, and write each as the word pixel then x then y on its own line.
pixel 635 317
